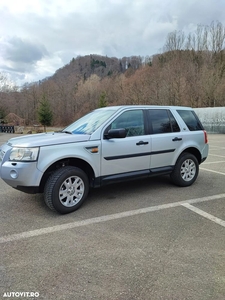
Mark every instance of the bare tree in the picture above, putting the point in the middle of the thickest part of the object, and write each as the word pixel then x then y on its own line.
pixel 217 37
pixel 175 41
pixel 6 84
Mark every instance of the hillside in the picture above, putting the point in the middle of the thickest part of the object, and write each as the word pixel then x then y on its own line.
pixel 83 67
pixel 191 73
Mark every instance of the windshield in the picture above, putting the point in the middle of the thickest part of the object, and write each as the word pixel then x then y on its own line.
pixel 90 122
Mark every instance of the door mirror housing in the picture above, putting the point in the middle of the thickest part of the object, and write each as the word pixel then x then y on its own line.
pixel 116 133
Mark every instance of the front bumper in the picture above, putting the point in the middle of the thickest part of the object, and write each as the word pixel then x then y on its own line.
pixel 20 174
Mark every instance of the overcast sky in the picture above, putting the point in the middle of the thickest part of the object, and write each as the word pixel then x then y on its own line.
pixel 37 37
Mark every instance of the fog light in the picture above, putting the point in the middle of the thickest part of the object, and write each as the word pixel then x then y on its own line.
pixel 13 174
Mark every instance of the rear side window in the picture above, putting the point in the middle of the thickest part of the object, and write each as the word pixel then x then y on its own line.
pixel 190 119
pixel 175 126
pixel 162 121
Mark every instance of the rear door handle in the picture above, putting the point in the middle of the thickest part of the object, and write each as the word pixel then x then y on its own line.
pixel 141 143
pixel 176 139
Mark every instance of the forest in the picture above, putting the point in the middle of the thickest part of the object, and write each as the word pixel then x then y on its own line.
pixel 190 71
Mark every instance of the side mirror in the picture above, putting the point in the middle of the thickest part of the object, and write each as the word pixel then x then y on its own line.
pixel 116 133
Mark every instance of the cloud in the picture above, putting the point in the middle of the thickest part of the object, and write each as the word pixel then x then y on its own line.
pixel 19 57
pixel 38 36
pixel 23 51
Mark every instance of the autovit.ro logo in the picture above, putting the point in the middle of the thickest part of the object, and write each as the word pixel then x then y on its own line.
pixel 21 294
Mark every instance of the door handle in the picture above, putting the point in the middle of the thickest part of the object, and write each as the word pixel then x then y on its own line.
pixel 141 143
pixel 176 139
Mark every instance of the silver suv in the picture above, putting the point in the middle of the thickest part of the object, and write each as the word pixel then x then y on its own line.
pixel 107 145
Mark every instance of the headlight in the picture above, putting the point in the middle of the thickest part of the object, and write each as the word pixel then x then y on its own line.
pixel 24 154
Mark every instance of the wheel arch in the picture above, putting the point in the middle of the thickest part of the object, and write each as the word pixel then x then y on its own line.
pixel 194 151
pixel 76 162
pixel 186 170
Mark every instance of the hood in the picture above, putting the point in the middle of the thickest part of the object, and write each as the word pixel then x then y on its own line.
pixel 46 139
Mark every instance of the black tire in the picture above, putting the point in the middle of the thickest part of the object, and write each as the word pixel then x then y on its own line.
pixel 66 189
pixel 186 170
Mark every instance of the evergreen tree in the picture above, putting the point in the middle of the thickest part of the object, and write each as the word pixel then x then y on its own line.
pixel 102 100
pixel 2 113
pixel 45 114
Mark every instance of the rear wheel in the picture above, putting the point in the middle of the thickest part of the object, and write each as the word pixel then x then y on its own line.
pixel 66 189
pixel 186 170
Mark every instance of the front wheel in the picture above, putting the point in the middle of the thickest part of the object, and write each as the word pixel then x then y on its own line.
pixel 66 189
pixel 186 170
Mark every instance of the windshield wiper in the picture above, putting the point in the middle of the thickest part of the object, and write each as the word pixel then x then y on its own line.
pixel 65 131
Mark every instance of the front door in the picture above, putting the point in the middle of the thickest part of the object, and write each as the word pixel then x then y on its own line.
pixel 129 156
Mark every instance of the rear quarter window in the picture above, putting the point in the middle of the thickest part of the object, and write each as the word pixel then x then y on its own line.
pixel 191 120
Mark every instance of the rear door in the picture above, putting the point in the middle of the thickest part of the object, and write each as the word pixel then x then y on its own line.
pixel 166 138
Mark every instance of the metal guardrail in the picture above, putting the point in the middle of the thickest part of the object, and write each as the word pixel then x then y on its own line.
pixel 7 129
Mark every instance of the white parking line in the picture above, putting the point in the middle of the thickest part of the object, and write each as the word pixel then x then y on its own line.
pixel 204 214
pixel 214 162
pixel 212 171
pixel 216 147
pixel 216 155
pixel 42 231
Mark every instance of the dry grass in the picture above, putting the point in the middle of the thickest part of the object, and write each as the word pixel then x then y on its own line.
pixel 34 129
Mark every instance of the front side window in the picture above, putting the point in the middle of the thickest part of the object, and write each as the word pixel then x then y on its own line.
pixel 162 121
pixel 190 119
pixel 132 121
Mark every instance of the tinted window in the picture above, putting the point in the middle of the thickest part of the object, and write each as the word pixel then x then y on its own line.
pixel 190 119
pixel 132 121
pixel 162 121
pixel 175 126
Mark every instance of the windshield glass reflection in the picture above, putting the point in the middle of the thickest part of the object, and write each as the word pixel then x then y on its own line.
pixel 90 122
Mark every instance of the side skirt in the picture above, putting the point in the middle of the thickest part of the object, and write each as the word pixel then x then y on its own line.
pixel 108 179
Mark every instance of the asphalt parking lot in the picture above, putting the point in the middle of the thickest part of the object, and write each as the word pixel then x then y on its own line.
pixel 142 240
